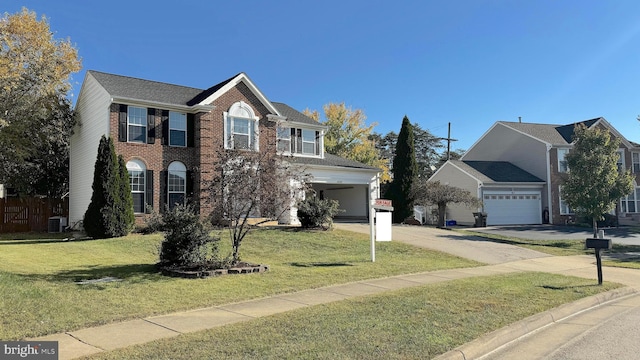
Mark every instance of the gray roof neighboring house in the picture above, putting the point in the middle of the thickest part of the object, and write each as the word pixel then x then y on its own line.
pixel 497 172
pixel 549 133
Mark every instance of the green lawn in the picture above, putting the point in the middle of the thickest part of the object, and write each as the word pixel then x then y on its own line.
pixel 416 323
pixel 40 295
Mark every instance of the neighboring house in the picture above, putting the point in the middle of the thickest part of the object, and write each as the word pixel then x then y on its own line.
pixel 168 133
pixel 515 169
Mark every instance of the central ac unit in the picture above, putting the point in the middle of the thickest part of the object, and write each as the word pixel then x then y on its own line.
pixel 57 224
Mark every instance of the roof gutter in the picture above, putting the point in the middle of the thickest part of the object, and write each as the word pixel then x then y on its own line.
pixel 186 108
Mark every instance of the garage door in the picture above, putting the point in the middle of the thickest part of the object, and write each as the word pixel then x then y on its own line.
pixel 513 208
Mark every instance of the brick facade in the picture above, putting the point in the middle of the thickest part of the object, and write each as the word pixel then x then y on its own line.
pixel 201 158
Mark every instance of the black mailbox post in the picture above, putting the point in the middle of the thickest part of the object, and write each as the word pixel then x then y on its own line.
pixel 598 245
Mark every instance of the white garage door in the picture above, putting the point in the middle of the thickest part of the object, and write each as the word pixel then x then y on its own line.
pixel 513 208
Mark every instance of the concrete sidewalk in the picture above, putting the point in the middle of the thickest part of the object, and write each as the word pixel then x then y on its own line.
pixel 88 341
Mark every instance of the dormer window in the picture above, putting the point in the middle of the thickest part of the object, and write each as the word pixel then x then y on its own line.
pixel 240 127
pixel 299 141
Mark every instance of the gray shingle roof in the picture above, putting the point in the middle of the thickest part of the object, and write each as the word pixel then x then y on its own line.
pixel 497 171
pixel 330 160
pixel 293 114
pixel 146 90
pixel 550 133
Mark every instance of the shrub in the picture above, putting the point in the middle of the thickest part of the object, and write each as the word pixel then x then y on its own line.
pixel 187 243
pixel 152 223
pixel 316 213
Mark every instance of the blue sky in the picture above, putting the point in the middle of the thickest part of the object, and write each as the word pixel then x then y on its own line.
pixel 468 62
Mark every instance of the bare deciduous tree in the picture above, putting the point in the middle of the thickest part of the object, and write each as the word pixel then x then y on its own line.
pixel 261 185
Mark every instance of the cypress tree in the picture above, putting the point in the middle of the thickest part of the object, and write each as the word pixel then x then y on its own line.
pixel 125 200
pixel 101 219
pixel 405 171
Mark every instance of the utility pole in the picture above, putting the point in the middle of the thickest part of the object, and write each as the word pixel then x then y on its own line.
pixel 449 140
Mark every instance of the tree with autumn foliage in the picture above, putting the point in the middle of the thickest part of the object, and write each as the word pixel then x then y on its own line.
pixel 349 137
pixel 35 70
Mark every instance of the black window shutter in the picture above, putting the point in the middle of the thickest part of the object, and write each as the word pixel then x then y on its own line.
pixel 163 190
pixel 189 186
pixel 148 196
pixel 190 132
pixel 165 127
pixel 151 126
pixel 317 142
pixel 122 123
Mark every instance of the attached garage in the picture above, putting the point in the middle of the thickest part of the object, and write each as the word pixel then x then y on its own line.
pixel 513 208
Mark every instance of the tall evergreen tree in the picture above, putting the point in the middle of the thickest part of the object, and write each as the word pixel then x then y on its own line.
pixel 102 218
pixel 405 171
pixel 125 200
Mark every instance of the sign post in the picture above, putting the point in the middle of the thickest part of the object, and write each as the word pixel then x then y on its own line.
pixel 378 204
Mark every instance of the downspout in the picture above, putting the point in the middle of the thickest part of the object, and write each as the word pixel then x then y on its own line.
pixel 549 197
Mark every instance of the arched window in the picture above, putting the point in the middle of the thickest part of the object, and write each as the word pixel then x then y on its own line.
pixel 177 184
pixel 137 170
pixel 240 127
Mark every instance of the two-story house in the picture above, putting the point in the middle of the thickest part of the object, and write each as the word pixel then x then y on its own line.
pixel 168 133
pixel 515 169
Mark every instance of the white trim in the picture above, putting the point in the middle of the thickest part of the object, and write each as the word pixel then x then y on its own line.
pixel 169 128
pixel 242 77
pixel 613 131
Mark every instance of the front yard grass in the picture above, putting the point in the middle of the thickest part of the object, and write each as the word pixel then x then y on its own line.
pixel 40 294
pixel 416 323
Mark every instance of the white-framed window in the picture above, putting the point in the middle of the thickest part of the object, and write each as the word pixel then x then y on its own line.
pixel 563 167
pixel 283 135
pixel 305 142
pixel 137 170
pixel 308 142
pixel 620 162
pixel 241 127
pixel 565 209
pixel 177 129
pixel 137 124
pixel 635 162
pixel 631 202
pixel 176 184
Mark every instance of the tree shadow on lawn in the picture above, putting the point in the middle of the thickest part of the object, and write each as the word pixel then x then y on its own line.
pixel 131 272
pixel 318 264
pixel 551 287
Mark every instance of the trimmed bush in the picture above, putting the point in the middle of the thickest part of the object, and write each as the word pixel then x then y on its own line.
pixel 316 213
pixel 187 243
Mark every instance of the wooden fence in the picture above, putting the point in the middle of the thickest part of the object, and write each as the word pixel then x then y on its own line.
pixel 30 214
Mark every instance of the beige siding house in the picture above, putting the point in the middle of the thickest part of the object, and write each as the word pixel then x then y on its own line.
pixel 515 169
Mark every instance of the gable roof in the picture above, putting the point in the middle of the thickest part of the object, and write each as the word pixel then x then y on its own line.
pixel 144 90
pixel 496 171
pixel 550 133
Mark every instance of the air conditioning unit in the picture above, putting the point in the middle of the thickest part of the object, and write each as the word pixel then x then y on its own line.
pixel 57 224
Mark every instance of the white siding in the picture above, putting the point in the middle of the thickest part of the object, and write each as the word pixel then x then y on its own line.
pixel 92 109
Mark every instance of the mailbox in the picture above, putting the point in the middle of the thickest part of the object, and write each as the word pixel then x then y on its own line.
pixel 598 244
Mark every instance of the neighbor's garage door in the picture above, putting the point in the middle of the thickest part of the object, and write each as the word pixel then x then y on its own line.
pixel 513 208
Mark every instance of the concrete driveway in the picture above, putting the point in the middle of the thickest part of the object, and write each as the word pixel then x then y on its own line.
pixel 622 235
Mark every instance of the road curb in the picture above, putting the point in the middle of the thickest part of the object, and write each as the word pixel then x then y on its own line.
pixel 498 338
